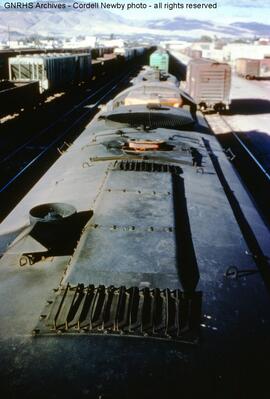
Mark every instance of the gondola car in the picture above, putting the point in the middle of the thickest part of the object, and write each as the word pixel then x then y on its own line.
pixel 17 96
pixel 136 267
pixel 53 71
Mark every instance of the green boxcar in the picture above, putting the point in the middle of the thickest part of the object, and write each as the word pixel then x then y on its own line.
pixel 160 60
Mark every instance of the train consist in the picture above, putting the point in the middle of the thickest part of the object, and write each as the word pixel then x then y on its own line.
pixel 52 71
pixel 129 269
pixel 5 55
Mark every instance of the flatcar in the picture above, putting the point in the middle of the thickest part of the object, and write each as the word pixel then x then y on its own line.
pixel 136 267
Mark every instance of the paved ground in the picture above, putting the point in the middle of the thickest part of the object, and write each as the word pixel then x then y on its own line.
pixel 251 114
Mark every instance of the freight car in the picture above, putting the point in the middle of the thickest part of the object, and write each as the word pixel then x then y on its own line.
pixel 194 53
pixel 108 65
pixel 129 52
pixel 115 62
pixel 129 270
pixel 160 60
pixel 209 82
pixel 15 96
pixel 8 53
pixel 61 71
pixel 253 69
pixel 53 71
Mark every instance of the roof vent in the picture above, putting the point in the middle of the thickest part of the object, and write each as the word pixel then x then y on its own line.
pixel 155 313
pixel 146 145
pixel 51 212
pixel 147 166
pixel 156 106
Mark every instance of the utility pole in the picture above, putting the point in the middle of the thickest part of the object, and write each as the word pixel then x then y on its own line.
pixel 8 37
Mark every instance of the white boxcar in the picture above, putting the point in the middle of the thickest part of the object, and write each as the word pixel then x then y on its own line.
pixel 208 82
pixel 253 69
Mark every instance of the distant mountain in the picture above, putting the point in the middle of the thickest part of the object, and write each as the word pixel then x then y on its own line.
pixel 68 22
pixel 188 25
pixel 58 22
pixel 257 28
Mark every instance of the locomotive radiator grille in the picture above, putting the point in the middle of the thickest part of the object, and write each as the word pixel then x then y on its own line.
pixel 146 166
pixel 156 313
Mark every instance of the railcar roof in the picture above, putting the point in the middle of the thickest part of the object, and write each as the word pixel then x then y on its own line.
pixel 155 220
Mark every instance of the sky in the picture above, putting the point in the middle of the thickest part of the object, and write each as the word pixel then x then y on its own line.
pixel 227 11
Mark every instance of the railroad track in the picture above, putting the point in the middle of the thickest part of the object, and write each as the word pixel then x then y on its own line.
pixel 253 174
pixel 23 166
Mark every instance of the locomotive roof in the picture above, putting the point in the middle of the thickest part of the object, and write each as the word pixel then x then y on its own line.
pixel 155 220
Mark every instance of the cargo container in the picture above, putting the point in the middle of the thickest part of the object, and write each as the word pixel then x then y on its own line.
pixel 53 71
pixel 208 83
pixel 253 69
pixel 15 96
pixel 160 59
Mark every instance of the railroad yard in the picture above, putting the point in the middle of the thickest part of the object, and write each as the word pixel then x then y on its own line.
pixel 27 139
pixel 32 140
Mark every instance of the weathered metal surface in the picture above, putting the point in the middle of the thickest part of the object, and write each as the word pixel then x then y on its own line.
pixel 166 232
pixel 146 166
pixel 155 313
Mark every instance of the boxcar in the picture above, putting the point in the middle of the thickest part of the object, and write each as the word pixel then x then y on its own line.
pixel 160 60
pixel 253 69
pixel 209 83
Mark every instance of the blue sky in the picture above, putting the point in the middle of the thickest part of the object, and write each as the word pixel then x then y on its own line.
pixel 227 11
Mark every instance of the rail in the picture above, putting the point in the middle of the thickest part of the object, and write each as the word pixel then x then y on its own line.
pixel 246 148
pixel 88 112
